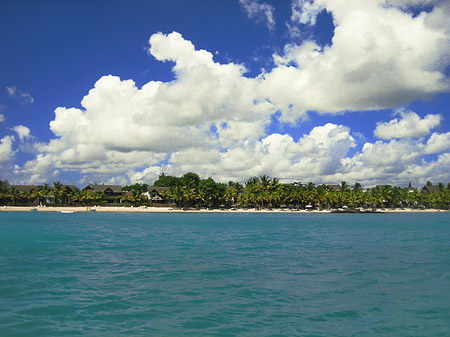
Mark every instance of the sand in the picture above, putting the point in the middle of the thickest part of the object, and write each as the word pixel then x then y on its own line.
pixel 123 209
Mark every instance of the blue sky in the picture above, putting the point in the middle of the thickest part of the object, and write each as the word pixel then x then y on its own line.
pixel 323 91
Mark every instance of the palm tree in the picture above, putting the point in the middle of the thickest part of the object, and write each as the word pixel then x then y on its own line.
pixel 190 195
pixel 252 181
pixel 265 182
pixel 60 192
pixel 233 191
pixel 135 197
pixel 244 198
pixel 176 194
pixel 13 194
pixel 322 192
pixel 345 186
pixel 357 187
pixel 276 196
pixel 42 192
pixel 310 186
pixel 75 196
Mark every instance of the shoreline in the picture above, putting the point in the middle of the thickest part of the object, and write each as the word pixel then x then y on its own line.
pixel 123 209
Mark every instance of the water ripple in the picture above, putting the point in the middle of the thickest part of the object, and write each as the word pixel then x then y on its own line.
pixel 224 275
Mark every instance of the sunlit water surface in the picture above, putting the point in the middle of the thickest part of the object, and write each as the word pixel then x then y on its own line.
pixel 269 274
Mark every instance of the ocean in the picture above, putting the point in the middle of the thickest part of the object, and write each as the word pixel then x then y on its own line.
pixel 227 274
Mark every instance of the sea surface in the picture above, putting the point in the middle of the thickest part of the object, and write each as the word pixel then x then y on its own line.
pixel 287 274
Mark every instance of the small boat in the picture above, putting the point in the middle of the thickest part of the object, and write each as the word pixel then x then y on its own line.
pixel 356 211
pixel 34 209
pixel 65 212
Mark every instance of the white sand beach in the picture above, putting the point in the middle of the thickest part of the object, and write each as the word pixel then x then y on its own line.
pixel 123 209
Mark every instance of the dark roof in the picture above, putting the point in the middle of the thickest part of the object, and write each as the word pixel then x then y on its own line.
pixel 26 188
pixel 103 188
pixel 70 187
pixel 432 189
pixel 157 189
pixel 334 187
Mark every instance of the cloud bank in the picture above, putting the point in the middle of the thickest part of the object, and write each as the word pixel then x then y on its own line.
pixel 381 57
pixel 212 119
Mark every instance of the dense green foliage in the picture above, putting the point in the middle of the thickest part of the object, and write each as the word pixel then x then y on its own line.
pixel 166 181
pixel 4 186
pixel 58 194
pixel 264 192
pixel 141 188
pixel 259 192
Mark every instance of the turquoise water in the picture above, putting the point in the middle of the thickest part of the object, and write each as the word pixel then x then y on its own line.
pixel 91 274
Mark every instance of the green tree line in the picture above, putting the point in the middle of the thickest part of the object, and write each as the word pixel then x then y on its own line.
pixel 265 192
pixel 58 194
pixel 190 191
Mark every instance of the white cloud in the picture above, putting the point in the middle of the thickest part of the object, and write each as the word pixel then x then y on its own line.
pixel 6 151
pixel 391 157
pixel 260 12
pixel 396 162
pixel 410 125
pixel 145 176
pixel 320 156
pixel 212 120
pixel 40 170
pixel 318 153
pixel 121 127
pixel 438 143
pixel 22 131
pixel 117 117
pixel 306 11
pixel 380 57
pixel 2 118
pixel 436 170
pixel 23 98
pixel 407 4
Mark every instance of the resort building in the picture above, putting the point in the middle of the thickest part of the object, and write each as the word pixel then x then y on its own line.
pixel 334 187
pixel 112 194
pixel 155 194
pixel 430 189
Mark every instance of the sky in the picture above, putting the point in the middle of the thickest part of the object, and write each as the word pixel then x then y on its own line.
pixel 118 92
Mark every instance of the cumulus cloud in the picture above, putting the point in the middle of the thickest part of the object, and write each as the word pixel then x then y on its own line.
pixel 21 97
pixel 39 170
pixel 391 157
pixel 321 156
pixel 380 57
pixel 213 120
pixel 140 126
pixel 438 143
pixel 260 12
pixel 2 118
pixel 408 126
pixel 6 151
pixel 121 127
pixel 315 154
pixel 396 162
pixel 22 131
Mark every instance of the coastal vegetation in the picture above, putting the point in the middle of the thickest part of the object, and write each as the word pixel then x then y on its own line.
pixel 189 191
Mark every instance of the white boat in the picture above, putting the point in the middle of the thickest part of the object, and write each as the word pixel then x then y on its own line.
pixel 65 212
